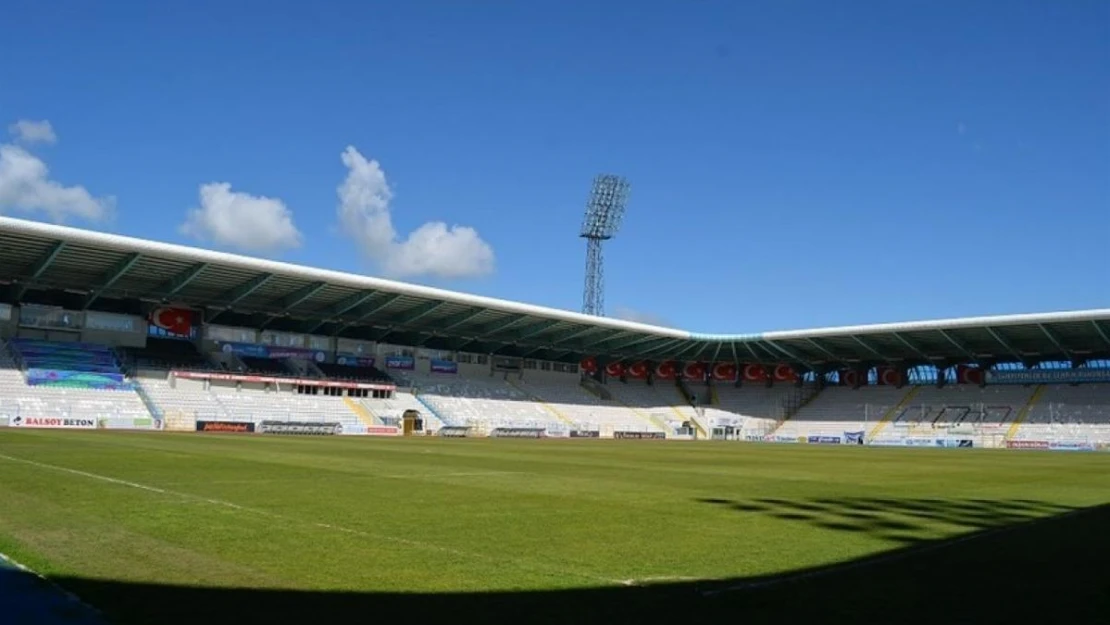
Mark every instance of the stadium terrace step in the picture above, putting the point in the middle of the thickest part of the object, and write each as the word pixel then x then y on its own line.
pixel 364 414
pixel 1034 399
pixel 558 414
pixel 893 412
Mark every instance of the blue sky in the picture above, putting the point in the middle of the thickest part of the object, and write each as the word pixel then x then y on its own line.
pixel 793 164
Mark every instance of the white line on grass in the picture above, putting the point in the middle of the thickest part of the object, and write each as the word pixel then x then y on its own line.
pixel 417 544
pixel 837 569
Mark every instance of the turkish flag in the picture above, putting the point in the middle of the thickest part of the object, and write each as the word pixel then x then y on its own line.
pixel 173 320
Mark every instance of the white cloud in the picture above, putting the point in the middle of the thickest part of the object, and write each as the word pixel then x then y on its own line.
pixel 629 314
pixel 25 186
pixel 235 219
pixel 433 249
pixel 28 131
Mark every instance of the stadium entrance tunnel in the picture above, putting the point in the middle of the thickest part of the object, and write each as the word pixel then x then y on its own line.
pixel 1027 562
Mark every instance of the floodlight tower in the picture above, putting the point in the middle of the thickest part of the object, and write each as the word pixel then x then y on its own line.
pixel 604 212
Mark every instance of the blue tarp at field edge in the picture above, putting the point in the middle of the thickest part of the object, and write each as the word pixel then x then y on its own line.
pixel 27 598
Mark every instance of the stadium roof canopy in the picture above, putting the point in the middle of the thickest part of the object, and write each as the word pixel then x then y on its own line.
pixel 81 269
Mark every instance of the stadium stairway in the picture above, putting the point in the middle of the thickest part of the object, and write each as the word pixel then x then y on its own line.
pixel 1023 414
pixel 805 401
pixel 365 416
pixel 435 413
pixel 653 420
pixel 893 412
pixel 793 410
pixel 558 414
pixel 684 395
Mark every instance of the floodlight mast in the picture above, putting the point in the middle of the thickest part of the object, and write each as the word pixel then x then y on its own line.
pixel 604 212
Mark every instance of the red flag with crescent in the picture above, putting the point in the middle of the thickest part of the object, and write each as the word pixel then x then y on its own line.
pixel 889 376
pixel 849 377
pixel 725 372
pixel 694 371
pixel 665 371
pixel 589 364
pixel 785 373
pixel 614 369
pixel 178 321
pixel 968 375
pixel 638 371
pixel 754 373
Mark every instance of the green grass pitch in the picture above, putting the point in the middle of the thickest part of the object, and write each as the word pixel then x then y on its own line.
pixel 181 528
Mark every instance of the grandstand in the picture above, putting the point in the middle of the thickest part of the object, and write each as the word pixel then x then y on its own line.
pixel 99 330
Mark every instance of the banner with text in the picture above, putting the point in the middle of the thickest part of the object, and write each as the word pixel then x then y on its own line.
pixel 1049 376
pixel 53 422
pixel 225 426
pixel 355 361
pixel 444 366
pixel 639 435
pixel 310 428
pixel 404 363
pixel 252 350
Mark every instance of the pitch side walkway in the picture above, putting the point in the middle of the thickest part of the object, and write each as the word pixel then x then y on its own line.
pixel 26 599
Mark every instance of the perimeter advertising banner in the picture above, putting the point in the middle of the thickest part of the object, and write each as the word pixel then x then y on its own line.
pixel 404 363
pixel 1049 376
pixel 854 438
pixel 355 361
pixel 252 350
pixel 310 428
pixel 823 440
pixel 225 426
pixel 53 422
pixel 1027 444
pixel 444 366
pixel 517 433
pixel 639 435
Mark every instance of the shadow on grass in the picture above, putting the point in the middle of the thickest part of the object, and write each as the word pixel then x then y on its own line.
pixel 1042 564
pixel 907 521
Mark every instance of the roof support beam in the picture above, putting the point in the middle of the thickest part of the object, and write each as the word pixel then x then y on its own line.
pixel 537 328
pixel 501 326
pixel 293 300
pixel 655 349
pixel 111 277
pixel 790 354
pixel 1055 341
pixel 716 352
pixel 735 356
pixel 871 349
pixel 417 313
pixel 573 334
pixel 412 316
pixel 241 292
pixel 1004 343
pixel 369 312
pixel 833 357
pixel 636 340
pixel 958 345
pixel 693 346
pixel 903 340
pixel 342 307
pixel 39 268
pixel 1101 333
pixel 181 280
pixel 300 295
pixel 454 321
pixel 751 350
